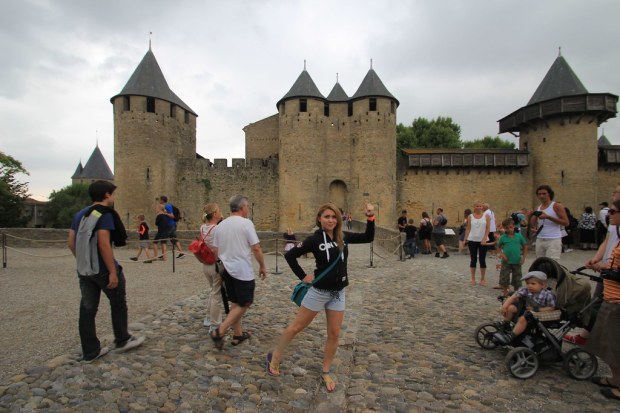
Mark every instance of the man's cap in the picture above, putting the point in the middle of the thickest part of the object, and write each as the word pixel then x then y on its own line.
pixel 604 203
pixel 535 274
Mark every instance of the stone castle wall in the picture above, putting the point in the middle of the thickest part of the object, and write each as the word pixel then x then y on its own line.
pixel 454 190
pixel 261 138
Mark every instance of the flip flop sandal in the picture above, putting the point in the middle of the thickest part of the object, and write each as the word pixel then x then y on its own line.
pixel 217 338
pixel 272 368
pixel 328 381
pixel 608 393
pixel 603 382
pixel 236 340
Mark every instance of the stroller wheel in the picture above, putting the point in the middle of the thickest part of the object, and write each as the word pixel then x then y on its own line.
pixel 484 335
pixel 522 362
pixel 580 364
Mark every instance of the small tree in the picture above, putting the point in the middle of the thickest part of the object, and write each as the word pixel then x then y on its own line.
pixel 65 203
pixel 489 142
pixel 12 192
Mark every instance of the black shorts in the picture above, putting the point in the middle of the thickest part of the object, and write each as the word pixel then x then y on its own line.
pixel 439 239
pixel 239 292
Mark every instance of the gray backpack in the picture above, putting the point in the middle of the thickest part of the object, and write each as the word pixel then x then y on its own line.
pixel 86 249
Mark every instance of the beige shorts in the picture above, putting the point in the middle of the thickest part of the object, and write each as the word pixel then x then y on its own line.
pixel 551 248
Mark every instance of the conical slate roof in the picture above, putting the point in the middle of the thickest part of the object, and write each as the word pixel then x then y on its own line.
pixel 337 94
pixel 78 171
pixel 372 86
pixel 96 167
pixel 603 141
pixel 559 81
pixel 303 87
pixel 148 80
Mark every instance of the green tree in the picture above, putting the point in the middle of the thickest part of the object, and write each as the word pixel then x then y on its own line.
pixel 437 133
pixel 489 142
pixel 12 192
pixel 64 203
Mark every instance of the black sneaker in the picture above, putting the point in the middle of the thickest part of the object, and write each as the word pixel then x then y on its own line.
pixel 134 258
pixel 133 342
pixel 102 352
pixel 436 255
pixel 181 255
pixel 445 255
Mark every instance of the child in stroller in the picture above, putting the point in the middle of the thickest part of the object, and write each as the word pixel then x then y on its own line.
pixel 537 298
pixel 541 338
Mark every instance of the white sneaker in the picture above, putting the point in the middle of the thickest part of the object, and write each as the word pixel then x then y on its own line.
pixel 102 352
pixel 129 344
pixel 206 322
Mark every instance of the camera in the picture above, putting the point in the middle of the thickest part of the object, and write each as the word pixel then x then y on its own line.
pixel 537 213
pixel 609 274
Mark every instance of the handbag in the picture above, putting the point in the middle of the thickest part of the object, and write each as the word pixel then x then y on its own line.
pixel 201 250
pixel 300 290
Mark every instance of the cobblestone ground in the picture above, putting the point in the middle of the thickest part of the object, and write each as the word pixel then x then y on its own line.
pixel 407 346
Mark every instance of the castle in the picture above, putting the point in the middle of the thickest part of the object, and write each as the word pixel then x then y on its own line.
pixel 342 149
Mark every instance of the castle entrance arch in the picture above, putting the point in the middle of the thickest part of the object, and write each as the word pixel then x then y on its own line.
pixel 338 194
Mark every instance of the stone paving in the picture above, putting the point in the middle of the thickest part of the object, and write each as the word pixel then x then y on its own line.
pixel 407 346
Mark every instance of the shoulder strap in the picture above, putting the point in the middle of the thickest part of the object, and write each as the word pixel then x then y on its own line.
pixel 328 269
pixel 204 239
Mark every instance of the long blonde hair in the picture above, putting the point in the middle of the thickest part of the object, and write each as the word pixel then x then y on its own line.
pixel 338 228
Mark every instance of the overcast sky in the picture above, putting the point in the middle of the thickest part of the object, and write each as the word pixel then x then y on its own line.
pixel 231 61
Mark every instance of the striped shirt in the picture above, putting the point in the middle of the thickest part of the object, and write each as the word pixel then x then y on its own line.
pixel 611 289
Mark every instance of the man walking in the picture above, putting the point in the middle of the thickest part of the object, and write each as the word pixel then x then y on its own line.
pixel 169 211
pixel 235 242
pixel 439 233
pixel 549 217
pixel 92 233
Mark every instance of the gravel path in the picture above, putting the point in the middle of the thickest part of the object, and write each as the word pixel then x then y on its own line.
pixel 406 346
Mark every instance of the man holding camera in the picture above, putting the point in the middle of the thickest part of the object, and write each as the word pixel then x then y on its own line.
pixel 549 218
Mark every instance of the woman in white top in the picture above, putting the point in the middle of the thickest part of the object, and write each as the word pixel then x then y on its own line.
pixel 212 215
pixel 476 235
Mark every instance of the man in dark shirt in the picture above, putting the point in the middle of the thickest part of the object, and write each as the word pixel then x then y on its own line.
pixel 402 220
pixel 409 246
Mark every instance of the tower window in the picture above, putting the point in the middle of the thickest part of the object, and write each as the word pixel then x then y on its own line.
pixel 303 105
pixel 148 174
pixel 372 104
pixel 326 109
pixel 186 117
pixel 126 103
pixel 150 105
pixel 392 107
pixel 350 109
pixel 173 110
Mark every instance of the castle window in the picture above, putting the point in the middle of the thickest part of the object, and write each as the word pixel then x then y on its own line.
pixel 148 174
pixel 326 109
pixel 186 117
pixel 372 104
pixel 392 107
pixel 173 112
pixel 303 105
pixel 126 103
pixel 150 105
pixel 350 109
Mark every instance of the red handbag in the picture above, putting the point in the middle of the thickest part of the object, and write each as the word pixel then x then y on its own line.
pixel 201 250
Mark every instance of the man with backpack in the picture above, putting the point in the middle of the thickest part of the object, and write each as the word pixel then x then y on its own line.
pixel 93 230
pixel 174 215
pixel 439 233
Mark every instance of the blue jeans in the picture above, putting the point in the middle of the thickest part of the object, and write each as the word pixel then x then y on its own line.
pixel 91 287
pixel 409 246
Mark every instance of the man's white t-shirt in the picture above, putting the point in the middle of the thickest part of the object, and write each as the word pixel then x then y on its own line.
pixel 233 239
pixel 493 225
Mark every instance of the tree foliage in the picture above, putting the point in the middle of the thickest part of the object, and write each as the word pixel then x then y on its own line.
pixel 65 203
pixel 489 142
pixel 423 133
pixel 12 192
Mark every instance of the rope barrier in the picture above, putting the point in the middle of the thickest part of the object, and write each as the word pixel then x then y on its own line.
pixel 38 256
pixel 35 240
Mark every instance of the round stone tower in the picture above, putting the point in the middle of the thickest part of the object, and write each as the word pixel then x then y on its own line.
pixel 558 127
pixel 154 134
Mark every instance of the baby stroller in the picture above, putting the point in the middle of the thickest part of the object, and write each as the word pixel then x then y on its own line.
pixel 542 340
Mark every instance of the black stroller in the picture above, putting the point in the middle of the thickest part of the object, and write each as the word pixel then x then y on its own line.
pixel 542 340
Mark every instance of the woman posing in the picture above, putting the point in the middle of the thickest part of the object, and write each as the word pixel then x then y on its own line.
pixel 426 229
pixel 477 233
pixel 329 245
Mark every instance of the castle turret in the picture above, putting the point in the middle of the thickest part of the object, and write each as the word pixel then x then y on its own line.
pixel 95 168
pixel 154 133
pixel 373 140
pixel 558 127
